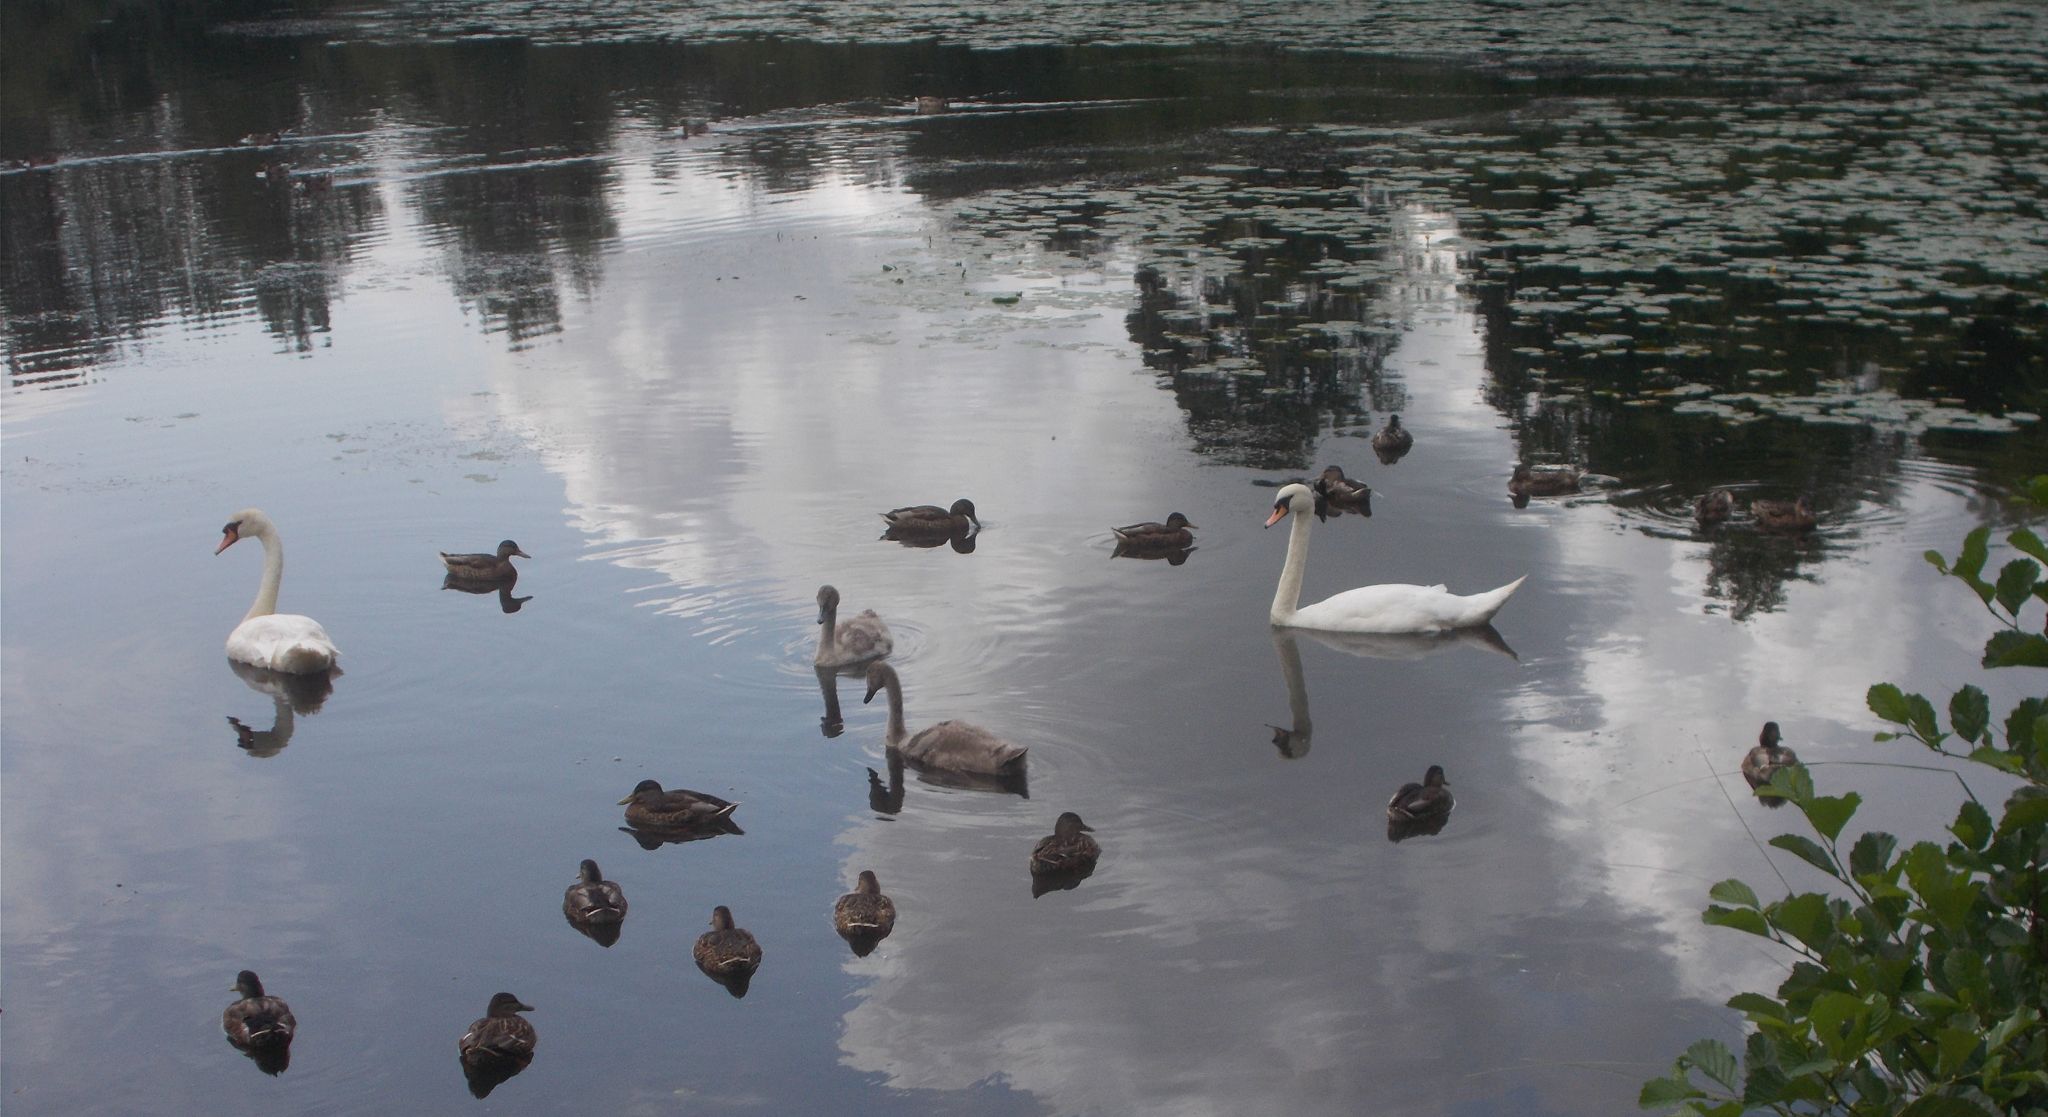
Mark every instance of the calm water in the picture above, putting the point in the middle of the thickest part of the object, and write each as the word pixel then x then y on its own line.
pixel 680 307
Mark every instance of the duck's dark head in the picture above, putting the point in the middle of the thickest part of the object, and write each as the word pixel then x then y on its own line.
pixel 1178 520
pixel 247 984
pixel 1435 777
pixel 965 507
pixel 1770 736
pixel 868 882
pixel 588 871
pixel 505 1004
pixel 828 600
pixel 1522 475
pixel 879 675
pixel 1070 824
pixel 721 918
pixel 641 789
pixel 507 548
pixel 1393 422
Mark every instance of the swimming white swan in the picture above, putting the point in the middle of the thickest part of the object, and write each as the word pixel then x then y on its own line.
pixel 266 638
pixel 1384 608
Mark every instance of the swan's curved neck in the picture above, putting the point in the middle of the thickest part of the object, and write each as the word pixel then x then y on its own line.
pixel 1288 595
pixel 828 630
pixel 273 573
pixel 896 730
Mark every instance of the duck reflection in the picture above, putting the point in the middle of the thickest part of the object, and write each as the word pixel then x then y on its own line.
pixel 290 695
pixel 1293 742
pixel 960 539
pixel 502 587
pixel 1174 555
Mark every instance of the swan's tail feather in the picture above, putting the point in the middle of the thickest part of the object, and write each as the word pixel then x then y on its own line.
pixel 1485 605
pixel 304 659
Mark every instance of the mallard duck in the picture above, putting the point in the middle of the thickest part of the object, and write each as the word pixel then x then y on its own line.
pixel 1549 481
pixel 930 519
pixel 957 745
pixel 485 568
pixel 1392 441
pixel 1068 849
pixel 1767 757
pixel 287 642
pixel 1714 507
pixel 857 640
pixel 1175 533
pixel 727 954
pixel 593 899
pixel 864 916
pixel 259 1024
pixel 651 808
pixel 501 1039
pixel 1347 493
pixel 1783 515
pixel 1421 802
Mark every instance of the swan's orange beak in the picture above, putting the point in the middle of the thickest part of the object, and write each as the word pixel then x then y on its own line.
pixel 227 539
pixel 1279 510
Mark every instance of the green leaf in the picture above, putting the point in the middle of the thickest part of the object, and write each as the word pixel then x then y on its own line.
pixel 2023 725
pixel 1953 1047
pixel 2037 490
pixel 1970 564
pixel 2027 543
pixel 1660 1092
pixel 1972 826
pixel 1992 757
pixel 1732 891
pixel 1969 713
pixel 1936 560
pixel 2027 807
pixel 2016 649
pixel 1872 854
pixel 1829 813
pixel 1756 1004
pixel 1807 850
pixel 2016 583
pixel 1714 1060
pixel 1887 702
pixel 1742 919
pixel 1804 917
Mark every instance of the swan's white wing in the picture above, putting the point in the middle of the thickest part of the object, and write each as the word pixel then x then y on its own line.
pixel 287 642
pixel 1402 608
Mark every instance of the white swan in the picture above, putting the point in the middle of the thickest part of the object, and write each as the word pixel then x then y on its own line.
pixel 1384 608
pixel 266 638
pixel 850 642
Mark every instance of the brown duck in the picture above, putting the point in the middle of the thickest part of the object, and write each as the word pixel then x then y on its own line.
pixel 1767 757
pixel 1153 535
pixel 1783 515
pixel 651 808
pixel 864 916
pixel 485 568
pixel 1068 849
pixel 1420 802
pixel 259 1024
pixel 727 954
pixel 593 899
pixel 502 1036
pixel 930 519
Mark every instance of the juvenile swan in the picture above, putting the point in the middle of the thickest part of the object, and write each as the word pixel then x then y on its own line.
pixel 949 744
pixel 266 638
pixel 1384 608
pixel 857 640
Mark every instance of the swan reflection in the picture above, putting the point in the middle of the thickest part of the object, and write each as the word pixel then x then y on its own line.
pixel 833 723
pixel 1293 740
pixel 502 587
pixel 290 695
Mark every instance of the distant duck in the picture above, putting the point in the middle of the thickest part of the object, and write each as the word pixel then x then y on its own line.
pixel 1557 480
pixel 1421 802
pixel 1713 508
pixel 1767 757
pixel 485 568
pixel 956 745
pixel 1783 515
pixel 649 807
pixel 727 954
pixel 1068 849
pixel 287 642
pixel 1347 493
pixel 855 640
pixel 593 899
pixel 497 1046
pixel 864 916
pixel 260 1025
pixel 929 105
pixel 1392 441
pixel 930 519
pixel 1175 533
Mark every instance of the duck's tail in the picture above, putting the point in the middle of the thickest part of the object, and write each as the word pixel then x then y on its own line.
pixel 725 812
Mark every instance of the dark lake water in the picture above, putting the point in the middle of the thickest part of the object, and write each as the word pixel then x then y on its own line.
pixel 681 300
